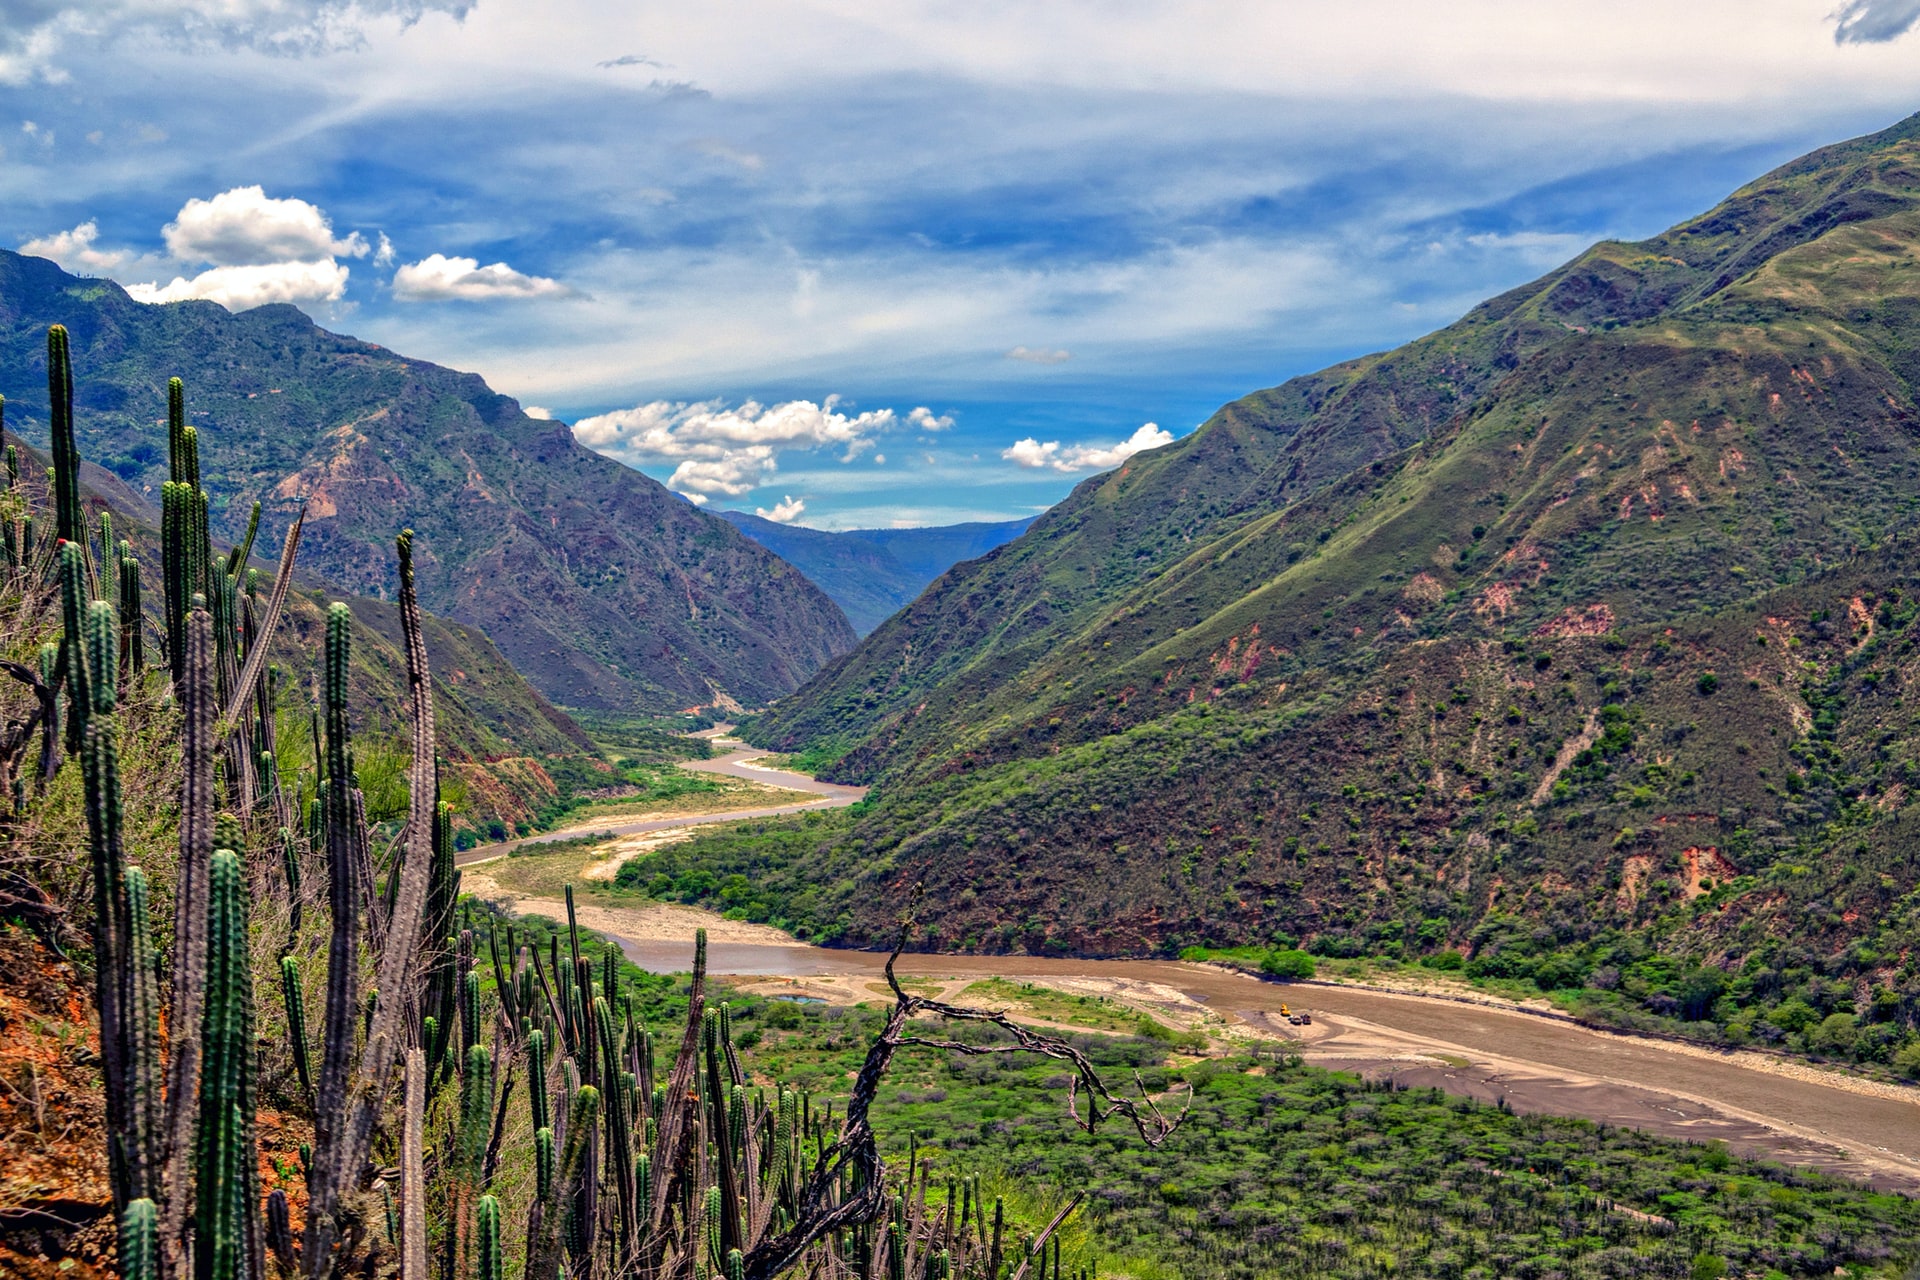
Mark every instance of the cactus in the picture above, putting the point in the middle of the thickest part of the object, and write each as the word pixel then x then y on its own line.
pixel 486 1250
pixel 280 1229
pixel 69 522
pixel 344 895
pixel 476 1110
pixel 537 1103
pixel 225 1160
pixel 296 1021
pixel 543 1162
pixel 142 1013
pixel 133 643
pixel 140 1241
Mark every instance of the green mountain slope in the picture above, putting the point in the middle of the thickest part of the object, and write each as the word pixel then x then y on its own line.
pixel 1587 603
pixel 597 583
pixel 1652 429
pixel 871 573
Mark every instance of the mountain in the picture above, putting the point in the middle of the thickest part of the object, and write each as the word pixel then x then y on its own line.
pixel 502 739
pixel 597 583
pixel 871 573
pixel 1585 617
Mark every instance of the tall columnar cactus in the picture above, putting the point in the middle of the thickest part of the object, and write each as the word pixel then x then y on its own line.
pixel 476 1111
pixel 91 643
pixel 69 522
pixel 226 1218
pixel 73 605
pixel 194 691
pixel 133 643
pixel 140 1241
pixel 141 1005
pixel 343 901
pixel 296 1005
pixel 487 1262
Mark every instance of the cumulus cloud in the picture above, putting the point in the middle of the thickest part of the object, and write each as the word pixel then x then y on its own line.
pixel 244 287
pixel 257 249
pixel 537 411
pixel 246 227
pixel 1085 457
pixel 438 278
pixel 74 250
pixel 1040 355
pixel 731 451
pixel 1874 21
pixel 785 511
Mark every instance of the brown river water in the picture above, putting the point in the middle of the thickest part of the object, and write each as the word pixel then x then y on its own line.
pixel 1773 1108
pixel 1537 1064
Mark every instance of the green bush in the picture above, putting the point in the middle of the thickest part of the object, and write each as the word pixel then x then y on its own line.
pixel 1288 964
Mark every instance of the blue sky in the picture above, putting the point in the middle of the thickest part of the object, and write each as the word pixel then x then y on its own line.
pixel 865 263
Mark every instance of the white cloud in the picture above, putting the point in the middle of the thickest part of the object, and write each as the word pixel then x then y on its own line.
pixel 244 287
pixel 785 511
pixel 537 411
pixel 734 450
pixel 1085 457
pixel 74 250
pixel 438 278
pixel 1040 355
pixel 697 499
pixel 245 226
pixel 383 256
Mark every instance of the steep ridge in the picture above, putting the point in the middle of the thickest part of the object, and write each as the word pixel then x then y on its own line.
pixel 871 573
pixel 1784 306
pixel 601 586
pixel 1618 639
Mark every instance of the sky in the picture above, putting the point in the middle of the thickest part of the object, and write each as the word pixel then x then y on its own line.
pixel 868 263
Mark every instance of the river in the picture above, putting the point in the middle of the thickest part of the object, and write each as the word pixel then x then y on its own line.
pixel 1775 1108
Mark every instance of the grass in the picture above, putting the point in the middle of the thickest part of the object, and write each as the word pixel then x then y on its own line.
pixel 1070 1009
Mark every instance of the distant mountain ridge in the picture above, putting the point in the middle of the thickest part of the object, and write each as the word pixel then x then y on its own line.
pixel 872 573
pixel 596 582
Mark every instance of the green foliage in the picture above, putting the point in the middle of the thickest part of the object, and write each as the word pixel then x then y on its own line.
pixel 1281 963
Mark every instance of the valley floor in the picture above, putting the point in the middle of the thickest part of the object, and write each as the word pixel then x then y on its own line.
pixel 1774 1108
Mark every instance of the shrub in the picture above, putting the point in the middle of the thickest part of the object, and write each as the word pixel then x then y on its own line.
pixel 1288 963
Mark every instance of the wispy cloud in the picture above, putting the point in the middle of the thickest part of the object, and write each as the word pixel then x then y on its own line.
pixel 1040 355
pixel 1874 21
